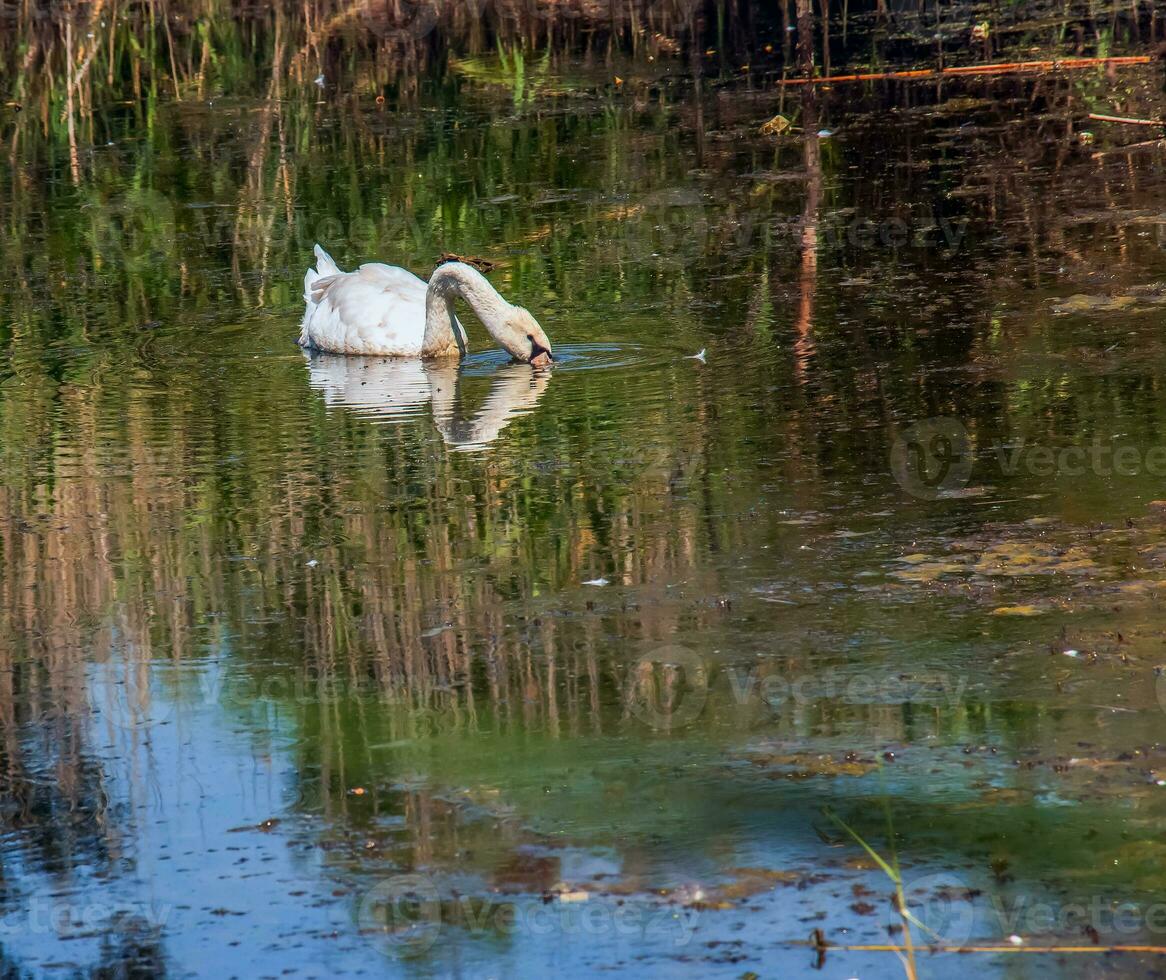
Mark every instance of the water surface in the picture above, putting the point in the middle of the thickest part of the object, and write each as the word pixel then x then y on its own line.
pixel 319 666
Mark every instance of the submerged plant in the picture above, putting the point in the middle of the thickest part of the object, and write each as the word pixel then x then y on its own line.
pixel 891 869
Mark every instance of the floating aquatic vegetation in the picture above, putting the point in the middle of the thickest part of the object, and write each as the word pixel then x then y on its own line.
pixel 1137 299
pixel 1027 610
pixel 795 765
pixel 1005 561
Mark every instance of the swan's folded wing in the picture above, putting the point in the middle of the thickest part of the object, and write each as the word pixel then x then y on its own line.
pixel 394 277
pixel 376 310
pixel 409 289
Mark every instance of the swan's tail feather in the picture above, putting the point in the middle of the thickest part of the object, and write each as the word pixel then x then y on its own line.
pixel 316 283
pixel 324 264
pixel 324 267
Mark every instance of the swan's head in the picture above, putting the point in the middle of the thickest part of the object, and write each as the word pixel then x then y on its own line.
pixel 525 339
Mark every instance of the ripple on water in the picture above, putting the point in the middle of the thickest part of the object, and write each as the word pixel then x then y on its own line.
pixel 395 390
pixel 569 357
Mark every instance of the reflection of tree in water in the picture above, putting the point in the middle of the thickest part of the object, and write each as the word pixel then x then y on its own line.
pixel 53 797
pixel 59 814
pixel 398 40
pixel 131 951
pixel 10 970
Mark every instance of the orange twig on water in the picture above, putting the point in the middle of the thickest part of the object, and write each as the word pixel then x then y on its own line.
pixel 998 948
pixel 818 941
pixel 1065 64
pixel 1126 119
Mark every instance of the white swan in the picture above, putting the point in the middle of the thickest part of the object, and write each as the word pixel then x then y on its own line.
pixel 388 311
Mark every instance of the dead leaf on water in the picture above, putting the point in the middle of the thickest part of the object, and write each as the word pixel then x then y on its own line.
pixel 962 105
pixel 775 126
pixel 1006 796
pixel 1017 611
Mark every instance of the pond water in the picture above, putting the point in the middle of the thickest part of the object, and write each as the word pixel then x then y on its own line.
pixel 320 666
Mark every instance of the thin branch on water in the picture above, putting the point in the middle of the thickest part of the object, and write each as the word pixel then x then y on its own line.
pixel 1011 67
pixel 1127 120
pixel 981 948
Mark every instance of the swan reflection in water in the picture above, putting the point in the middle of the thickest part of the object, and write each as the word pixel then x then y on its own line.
pixel 391 390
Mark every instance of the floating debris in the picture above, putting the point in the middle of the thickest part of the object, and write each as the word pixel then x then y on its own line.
pixel 775 126
pixel 482 265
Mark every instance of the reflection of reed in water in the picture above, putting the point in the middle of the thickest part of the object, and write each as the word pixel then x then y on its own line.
pixel 165 538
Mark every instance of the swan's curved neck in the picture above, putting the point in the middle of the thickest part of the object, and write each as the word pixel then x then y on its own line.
pixel 448 282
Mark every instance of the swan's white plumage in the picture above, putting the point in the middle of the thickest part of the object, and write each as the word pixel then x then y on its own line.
pixel 378 309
